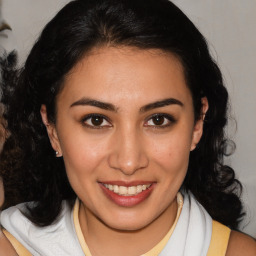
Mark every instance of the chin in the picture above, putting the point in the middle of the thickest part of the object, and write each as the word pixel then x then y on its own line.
pixel 128 227
pixel 127 223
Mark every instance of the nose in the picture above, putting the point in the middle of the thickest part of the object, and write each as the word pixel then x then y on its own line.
pixel 128 154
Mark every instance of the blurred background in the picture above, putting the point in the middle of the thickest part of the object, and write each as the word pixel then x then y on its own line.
pixel 229 27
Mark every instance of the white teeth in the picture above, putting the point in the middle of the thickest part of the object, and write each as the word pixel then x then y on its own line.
pixel 127 191
pixel 132 190
pixel 115 189
pixel 122 190
pixel 139 189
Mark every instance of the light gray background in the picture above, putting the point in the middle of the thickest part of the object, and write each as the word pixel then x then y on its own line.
pixel 229 26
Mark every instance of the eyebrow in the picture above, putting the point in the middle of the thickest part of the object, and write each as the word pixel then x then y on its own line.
pixel 94 103
pixel 111 107
pixel 161 103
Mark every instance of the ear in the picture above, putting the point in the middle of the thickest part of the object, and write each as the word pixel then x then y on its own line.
pixel 199 125
pixel 51 130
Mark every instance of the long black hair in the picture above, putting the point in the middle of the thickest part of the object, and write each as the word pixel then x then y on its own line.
pixel 28 164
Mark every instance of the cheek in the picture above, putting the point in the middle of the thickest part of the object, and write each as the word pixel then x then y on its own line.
pixel 82 158
pixel 82 154
pixel 171 159
pixel 172 152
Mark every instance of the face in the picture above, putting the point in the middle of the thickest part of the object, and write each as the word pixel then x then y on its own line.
pixel 125 128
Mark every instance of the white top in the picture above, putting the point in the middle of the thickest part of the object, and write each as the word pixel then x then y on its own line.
pixel 191 236
pixel 58 239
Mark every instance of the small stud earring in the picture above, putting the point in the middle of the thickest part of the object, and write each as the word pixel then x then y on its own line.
pixel 56 153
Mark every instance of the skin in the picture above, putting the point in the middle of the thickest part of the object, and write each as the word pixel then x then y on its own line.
pixel 129 79
pixel 241 244
pixel 128 145
pixel 6 249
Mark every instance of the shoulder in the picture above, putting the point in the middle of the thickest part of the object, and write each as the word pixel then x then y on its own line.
pixel 241 244
pixel 5 246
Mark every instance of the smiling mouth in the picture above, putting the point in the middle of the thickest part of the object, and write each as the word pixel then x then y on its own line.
pixel 127 191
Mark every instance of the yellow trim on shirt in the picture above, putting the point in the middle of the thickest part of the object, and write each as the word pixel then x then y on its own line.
pixel 218 245
pixel 219 240
pixel 153 252
pixel 160 246
pixel 79 233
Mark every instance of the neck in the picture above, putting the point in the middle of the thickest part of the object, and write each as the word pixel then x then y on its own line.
pixel 104 240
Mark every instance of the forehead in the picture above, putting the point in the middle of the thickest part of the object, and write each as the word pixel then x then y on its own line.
pixel 125 74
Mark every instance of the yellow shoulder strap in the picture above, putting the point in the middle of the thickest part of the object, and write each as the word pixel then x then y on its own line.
pixel 219 240
pixel 19 248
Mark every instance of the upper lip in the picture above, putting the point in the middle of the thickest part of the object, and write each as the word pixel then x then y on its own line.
pixel 127 183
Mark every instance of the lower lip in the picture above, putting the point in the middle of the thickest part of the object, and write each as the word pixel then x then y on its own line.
pixel 127 201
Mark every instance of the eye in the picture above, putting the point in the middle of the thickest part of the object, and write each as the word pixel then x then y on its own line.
pixel 96 121
pixel 160 121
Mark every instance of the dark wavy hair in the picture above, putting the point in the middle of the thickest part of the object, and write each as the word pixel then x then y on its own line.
pixel 28 164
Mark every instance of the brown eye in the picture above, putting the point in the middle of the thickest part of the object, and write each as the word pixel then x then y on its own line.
pixel 158 120
pixel 97 120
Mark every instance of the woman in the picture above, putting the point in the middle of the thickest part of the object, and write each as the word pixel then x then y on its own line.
pixel 134 108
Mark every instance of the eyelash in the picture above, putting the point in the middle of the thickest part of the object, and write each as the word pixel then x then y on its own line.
pixel 91 126
pixel 167 118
